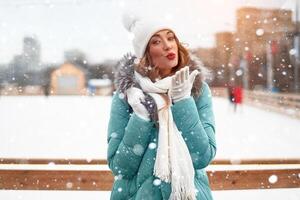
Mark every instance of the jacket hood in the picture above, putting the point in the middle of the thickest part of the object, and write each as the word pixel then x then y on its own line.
pixel 124 74
pixel 124 79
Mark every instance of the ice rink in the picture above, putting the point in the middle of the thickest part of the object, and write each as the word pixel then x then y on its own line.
pixel 75 127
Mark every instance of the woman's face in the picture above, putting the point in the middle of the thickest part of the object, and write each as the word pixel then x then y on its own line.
pixel 163 51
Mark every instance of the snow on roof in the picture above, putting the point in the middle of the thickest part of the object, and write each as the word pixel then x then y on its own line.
pixel 100 82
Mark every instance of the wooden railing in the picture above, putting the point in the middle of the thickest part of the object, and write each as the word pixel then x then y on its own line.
pixel 288 104
pixel 53 179
pixel 285 103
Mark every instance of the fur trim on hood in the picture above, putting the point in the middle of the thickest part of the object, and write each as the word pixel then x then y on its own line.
pixel 124 79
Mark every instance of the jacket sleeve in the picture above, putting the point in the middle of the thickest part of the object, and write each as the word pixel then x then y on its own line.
pixel 195 119
pixel 128 137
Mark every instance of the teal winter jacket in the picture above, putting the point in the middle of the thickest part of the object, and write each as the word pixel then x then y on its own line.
pixel 132 143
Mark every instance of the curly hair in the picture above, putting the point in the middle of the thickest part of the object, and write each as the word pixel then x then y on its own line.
pixel 146 68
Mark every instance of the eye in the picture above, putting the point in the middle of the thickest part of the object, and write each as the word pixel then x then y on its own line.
pixel 155 42
pixel 171 38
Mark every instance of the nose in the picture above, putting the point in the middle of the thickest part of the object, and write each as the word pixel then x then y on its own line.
pixel 167 45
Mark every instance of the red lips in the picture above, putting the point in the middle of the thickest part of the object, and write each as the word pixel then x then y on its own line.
pixel 171 56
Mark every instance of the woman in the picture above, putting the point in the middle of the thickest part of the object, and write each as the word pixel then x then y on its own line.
pixel 161 131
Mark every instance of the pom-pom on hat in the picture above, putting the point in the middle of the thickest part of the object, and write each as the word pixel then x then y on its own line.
pixel 143 29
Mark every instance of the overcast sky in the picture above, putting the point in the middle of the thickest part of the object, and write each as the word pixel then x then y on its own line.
pixel 95 26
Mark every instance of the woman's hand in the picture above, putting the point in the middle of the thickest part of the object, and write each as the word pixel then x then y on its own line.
pixel 182 83
pixel 135 96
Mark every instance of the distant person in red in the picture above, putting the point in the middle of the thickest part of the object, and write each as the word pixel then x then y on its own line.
pixel 237 96
pixel 230 94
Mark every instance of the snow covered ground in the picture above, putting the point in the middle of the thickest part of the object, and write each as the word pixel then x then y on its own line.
pixel 75 127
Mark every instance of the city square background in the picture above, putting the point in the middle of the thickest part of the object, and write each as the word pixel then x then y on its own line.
pixel 58 61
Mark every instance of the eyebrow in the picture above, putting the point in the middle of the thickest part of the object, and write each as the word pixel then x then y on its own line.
pixel 157 35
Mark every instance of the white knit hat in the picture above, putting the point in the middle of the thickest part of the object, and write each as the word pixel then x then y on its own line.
pixel 143 29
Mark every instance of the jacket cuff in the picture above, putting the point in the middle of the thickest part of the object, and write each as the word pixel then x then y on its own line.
pixel 138 131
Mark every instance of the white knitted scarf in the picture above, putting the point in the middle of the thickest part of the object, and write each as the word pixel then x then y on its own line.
pixel 173 162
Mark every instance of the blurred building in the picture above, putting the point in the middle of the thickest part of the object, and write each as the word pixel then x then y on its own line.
pixel 76 57
pixel 31 53
pixel 68 79
pixel 262 42
pixel 256 27
pixel 217 58
pixel 257 55
pixel 26 62
pixel 224 48
pixel 17 67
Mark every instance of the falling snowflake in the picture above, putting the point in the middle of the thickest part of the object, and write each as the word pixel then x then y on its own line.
pixel 121 96
pixel 292 52
pixel 239 72
pixel 114 135
pixel 273 179
pixel 118 177
pixel 69 185
pixel 51 163
pixel 152 145
pixel 156 182
pixel 138 149
pixel 260 32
